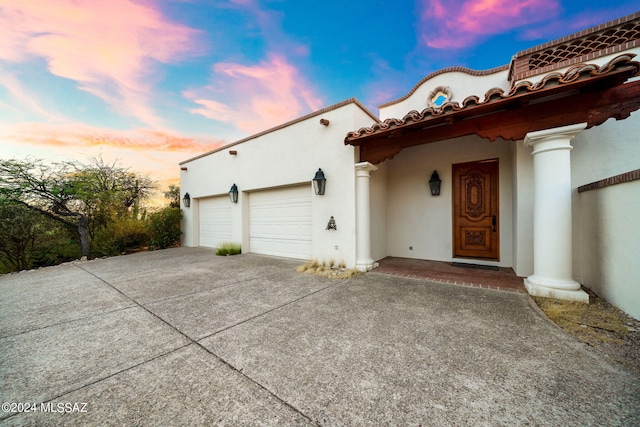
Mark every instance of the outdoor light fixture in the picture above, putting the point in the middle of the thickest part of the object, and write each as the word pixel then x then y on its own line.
pixel 319 182
pixel 186 200
pixel 434 184
pixel 233 194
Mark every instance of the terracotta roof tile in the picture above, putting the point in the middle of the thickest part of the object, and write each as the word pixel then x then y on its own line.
pixel 578 72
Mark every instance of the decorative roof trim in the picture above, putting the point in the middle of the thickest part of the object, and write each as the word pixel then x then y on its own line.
pixel 579 34
pixel 287 124
pixel 580 72
pixel 605 39
pixel 458 69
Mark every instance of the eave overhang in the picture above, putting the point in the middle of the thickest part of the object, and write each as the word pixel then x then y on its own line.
pixel 585 93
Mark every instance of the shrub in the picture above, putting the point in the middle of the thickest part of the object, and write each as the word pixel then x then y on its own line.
pixel 331 270
pixel 60 245
pixel 164 227
pixel 120 235
pixel 29 239
pixel 229 249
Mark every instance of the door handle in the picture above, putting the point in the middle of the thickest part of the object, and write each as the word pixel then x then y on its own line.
pixel 494 222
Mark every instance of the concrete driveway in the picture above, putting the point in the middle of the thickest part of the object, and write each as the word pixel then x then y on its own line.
pixel 182 337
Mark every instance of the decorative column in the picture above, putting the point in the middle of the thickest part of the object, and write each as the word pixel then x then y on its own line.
pixel 552 235
pixel 363 217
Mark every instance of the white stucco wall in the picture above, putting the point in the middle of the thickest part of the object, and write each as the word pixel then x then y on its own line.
pixel 522 190
pixel 608 244
pixel 285 157
pixel 420 225
pixel 606 150
pixel 461 84
pixel 379 207
pixel 605 221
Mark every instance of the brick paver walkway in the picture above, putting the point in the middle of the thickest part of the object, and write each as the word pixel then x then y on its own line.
pixel 444 272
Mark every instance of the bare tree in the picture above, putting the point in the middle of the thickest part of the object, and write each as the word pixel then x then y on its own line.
pixel 78 195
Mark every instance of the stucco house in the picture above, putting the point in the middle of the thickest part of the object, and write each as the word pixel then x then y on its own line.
pixel 537 163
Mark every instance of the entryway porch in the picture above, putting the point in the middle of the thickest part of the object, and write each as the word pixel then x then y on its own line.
pixel 503 278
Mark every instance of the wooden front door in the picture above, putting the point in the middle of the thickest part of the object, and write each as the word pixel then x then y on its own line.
pixel 475 210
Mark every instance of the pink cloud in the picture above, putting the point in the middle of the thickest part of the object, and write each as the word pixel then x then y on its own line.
pixel 251 3
pixel 211 109
pixel 152 153
pixel 460 23
pixel 254 98
pixel 77 137
pixel 108 47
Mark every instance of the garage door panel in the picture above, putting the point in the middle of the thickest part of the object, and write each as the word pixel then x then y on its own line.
pixel 215 221
pixel 280 222
pixel 281 247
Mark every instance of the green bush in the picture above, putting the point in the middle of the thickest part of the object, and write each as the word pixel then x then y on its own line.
pixel 59 245
pixel 229 249
pixel 53 247
pixel 121 235
pixel 29 239
pixel 164 228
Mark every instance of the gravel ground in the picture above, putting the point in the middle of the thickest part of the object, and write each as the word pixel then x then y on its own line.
pixel 599 324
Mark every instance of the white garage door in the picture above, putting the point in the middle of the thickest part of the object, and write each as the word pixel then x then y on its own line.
pixel 280 222
pixel 215 221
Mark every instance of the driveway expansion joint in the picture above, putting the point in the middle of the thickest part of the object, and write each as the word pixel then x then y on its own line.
pixel 99 380
pixel 197 343
pixel 169 298
pixel 267 312
pixel 66 322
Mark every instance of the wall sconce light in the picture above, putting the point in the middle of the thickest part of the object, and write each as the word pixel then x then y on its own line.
pixel 434 184
pixel 186 200
pixel 324 122
pixel 319 182
pixel 233 194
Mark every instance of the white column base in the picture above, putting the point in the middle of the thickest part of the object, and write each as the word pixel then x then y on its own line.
pixel 365 265
pixel 567 292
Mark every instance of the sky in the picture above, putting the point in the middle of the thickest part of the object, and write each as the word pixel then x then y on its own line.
pixel 151 83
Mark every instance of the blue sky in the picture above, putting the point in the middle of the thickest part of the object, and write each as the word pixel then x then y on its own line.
pixel 152 83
